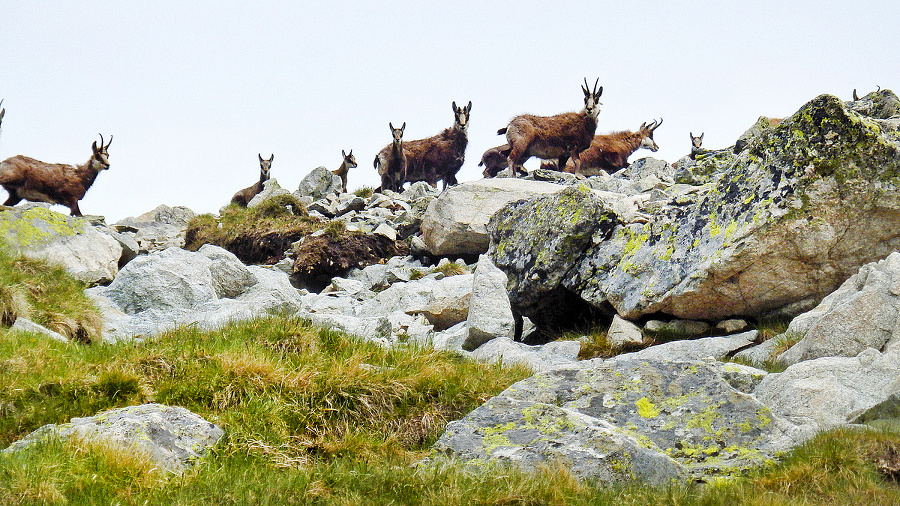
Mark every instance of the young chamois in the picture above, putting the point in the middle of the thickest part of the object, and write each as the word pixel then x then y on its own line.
pixel 348 163
pixel 696 142
pixel 610 152
pixel 391 161
pixel 243 197
pixel 558 137
pixel 441 156
pixel 55 183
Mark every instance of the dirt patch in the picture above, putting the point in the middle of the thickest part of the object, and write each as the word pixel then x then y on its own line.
pixel 320 258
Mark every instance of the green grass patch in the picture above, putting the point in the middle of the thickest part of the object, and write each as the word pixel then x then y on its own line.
pixel 45 294
pixel 258 235
pixel 364 192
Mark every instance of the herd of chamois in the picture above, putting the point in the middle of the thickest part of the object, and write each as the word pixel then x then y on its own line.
pixel 565 141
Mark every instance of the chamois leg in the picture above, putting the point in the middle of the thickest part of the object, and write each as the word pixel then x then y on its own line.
pixel 13 199
pixel 73 207
pixel 577 160
pixel 561 163
pixel 515 162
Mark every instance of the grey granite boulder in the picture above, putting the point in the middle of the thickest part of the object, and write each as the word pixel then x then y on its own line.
pixel 172 437
pixel 490 314
pixel 319 183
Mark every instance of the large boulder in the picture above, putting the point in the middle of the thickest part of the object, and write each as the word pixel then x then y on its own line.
pixel 456 222
pixel 863 313
pixel 172 437
pixel 85 252
pixel 158 229
pixel 490 314
pixel 626 418
pixel 791 217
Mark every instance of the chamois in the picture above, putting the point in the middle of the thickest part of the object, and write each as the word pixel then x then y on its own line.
pixel 243 197
pixel 696 142
pixel 348 163
pixel 438 157
pixel 391 165
pixel 610 152
pixel 561 137
pixel 55 183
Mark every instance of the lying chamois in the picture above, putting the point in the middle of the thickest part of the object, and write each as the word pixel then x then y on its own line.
pixel 495 160
pixel 556 137
pixel 55 183
pixel 391 161
pixel 439 157
pixel 610 152
pixel 348 163
pixel 243 197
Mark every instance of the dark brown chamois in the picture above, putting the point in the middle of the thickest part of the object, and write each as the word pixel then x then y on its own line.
pixel 495 160
pixel 391 163
pixel 696 143
pixel 348 163
pixel 441 156
pixel 610 152
pixel 56 183
pixel 558 137
pixel 243 197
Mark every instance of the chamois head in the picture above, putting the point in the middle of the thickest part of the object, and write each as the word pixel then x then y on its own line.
pixel 646 131
pixel 100 159
pixel 462 116
pixel 592 98
pixel 696 142
pixel 349 159
pixel 264 166
pixel 397 133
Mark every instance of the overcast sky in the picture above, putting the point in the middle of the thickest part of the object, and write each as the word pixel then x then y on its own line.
pixel 193 91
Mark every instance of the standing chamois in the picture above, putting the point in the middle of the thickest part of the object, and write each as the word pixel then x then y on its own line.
pixel 610 152
pixel 439 157
pixel 391 164
pixel 243 197
pixel 55 183
pixel 348 163
pixel 558 137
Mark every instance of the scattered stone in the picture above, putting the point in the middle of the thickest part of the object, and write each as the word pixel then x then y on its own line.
pixel 623 333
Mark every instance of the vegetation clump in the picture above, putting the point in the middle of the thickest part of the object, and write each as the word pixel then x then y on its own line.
pixel 255 235
pixel 47 295
pixel 334 252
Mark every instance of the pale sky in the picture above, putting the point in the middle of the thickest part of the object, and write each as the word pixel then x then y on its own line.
pixel 193 91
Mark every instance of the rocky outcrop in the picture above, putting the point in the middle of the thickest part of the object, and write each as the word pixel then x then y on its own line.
pixel 171 437
pixel 85 252
pixel 319 183
pixel 156 230
pixel 862 313
pixel 793 215
pixel 209 288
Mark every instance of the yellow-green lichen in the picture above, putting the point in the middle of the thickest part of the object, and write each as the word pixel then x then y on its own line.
pixel 646 408
pixel 38 225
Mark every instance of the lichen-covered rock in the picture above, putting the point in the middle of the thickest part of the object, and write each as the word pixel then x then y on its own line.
pixel 626 418
pixel 796 213
pixel 172 437
pixel 456 222
pixel 37 232
pixel 539 243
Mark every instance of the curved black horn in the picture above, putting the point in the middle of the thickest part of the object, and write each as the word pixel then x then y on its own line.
pixel 101 140
pixel 657 124
pixel 595 86
pixel 585 87
pixel 110 141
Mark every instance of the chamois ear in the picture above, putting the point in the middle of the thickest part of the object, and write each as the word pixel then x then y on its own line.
pixel 701 136
pixel 455 109
pixel 469 107
pixel 343 153
pixel 94 147
pixel 271 158
pixel 403 127
pixel 260 156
